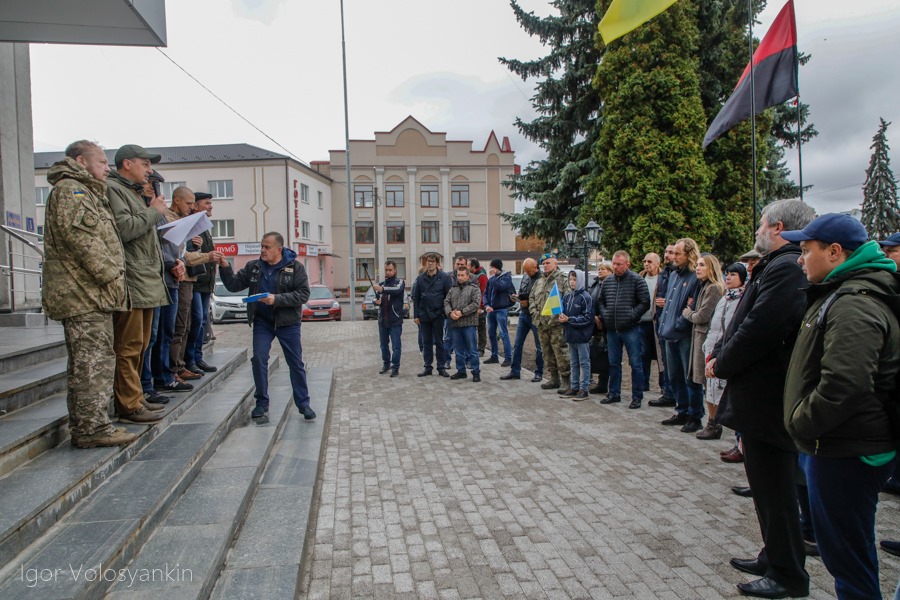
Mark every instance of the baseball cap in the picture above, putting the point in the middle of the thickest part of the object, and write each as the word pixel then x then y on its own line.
pixel 131 151
pixel 891 240
pixel 202 196
pixel 546 255
pixel 832 228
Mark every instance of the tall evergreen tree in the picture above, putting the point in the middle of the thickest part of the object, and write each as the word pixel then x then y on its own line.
pixel 653 182
pixel 880 211
pixel 568 125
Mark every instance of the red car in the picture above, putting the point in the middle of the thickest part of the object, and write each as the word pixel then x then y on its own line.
pixel 321 306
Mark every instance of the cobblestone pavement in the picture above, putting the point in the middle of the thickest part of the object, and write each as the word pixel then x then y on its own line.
pixel 451 489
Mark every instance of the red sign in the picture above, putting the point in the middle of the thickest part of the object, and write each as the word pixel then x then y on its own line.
pixel 227 249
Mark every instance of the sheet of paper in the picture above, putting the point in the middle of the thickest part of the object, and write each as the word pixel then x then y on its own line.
pixel 185 228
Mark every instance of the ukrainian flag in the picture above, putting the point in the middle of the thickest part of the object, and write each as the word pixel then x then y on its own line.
pixel 552 306
pixel 626 15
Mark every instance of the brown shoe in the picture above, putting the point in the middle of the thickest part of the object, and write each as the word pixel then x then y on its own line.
pixel 153 406
pixel 186 375
pixel 712 431
pixel 735 456
pixel 140 416
pixel 118 437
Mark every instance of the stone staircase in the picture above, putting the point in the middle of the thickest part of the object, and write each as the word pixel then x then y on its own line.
pixel 204 503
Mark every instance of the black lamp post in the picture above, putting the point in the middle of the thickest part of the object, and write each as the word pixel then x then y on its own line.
pixel 591 237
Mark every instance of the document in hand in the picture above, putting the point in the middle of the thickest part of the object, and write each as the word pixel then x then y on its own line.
pixel 255 297
pixel 185 228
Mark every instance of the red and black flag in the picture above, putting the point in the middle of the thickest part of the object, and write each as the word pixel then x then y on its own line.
pixel 775 69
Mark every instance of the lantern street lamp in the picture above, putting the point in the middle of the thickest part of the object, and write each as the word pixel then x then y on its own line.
pixel 591 237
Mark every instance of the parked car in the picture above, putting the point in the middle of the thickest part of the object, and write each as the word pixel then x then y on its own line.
pixel 321 306
pixel 227 306
pixel 514 309
pixel 370 309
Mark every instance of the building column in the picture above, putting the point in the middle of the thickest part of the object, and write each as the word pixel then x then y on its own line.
pixel 445 212
pixel 380 232
pixel 412 263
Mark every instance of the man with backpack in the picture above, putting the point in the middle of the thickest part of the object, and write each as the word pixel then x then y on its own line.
pixel 840 395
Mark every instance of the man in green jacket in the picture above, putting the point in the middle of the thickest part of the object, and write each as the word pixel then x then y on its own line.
pixel 137 222
pixel 83 286
pixel 550 330
pixel 839 391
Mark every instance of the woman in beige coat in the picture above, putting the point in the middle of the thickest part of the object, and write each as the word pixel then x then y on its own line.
pixel 700 312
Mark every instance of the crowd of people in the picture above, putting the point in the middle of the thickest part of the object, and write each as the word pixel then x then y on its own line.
pixel 795 346
pixel 134 304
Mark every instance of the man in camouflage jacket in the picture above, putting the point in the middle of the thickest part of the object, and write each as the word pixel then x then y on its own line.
pixel 550 330
pixel 83 285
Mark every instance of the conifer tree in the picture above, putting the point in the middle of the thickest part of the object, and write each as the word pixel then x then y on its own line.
pixel 880 211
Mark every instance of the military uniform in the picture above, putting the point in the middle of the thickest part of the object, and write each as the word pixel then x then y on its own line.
pixel 550 330
pixel 83 285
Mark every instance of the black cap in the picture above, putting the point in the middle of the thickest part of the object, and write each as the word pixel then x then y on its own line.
pixel 202 196
pixel 131 151
pixel 497 264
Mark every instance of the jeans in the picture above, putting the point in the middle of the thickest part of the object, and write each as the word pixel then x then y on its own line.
pixel 688 395
pixel 146 372
pixel 160 360
pixel 499 318
pixel 289 338
pixel 205 298
pixel 631 339
pixel 432 334
pixel 448 344
pixel 196 330
pixel 465 344
pixel 648 352
pixel 580 365
pixel 525 327
pixel 390 344
pixel 843 495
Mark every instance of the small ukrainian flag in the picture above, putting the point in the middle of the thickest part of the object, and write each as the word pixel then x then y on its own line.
pixel 552 306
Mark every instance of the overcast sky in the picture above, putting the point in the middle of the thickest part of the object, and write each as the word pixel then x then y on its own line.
pixel 278 63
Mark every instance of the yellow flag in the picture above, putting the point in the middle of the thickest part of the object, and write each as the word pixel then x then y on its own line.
pixel 626 15
pixel 552 306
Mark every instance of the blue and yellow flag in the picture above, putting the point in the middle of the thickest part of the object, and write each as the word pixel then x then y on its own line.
pixel 552 306
pixel 627 15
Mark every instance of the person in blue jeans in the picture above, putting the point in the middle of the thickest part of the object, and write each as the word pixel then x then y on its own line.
pixel 526 326
pixel 278 274
pixel 389 299
pixel 459 263
pixel 461 307
pixel 578 328
pixel 497 300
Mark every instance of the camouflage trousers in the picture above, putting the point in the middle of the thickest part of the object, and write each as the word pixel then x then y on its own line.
pixel 90 372
pixel 556 353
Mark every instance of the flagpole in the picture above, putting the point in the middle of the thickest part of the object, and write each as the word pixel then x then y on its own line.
pixel 752 113
pixel 800 146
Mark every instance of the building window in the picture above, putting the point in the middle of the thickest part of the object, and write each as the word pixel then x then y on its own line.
pixel 304 229
pixel 321 233
pixel 40 196
pixel 321 201
pixel 221 189
pixel 169 187
pixel 396 232
pixel 362 266
pixel 365 232
pixel 304 193
pixel 362 196
pixel 401 266
pixel 223 228
pixel 40 230
pixel 461 232
pixel 459 196
pixel 431 232
pixel 393 196
pixel 428 194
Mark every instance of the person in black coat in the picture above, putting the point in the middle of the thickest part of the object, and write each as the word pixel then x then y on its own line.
pixel 428 295
pixel 753 356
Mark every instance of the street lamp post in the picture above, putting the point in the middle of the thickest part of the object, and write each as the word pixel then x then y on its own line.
pixel 591 237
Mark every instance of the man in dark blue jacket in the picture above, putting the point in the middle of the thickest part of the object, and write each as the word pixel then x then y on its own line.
pixel 278 274
pixel 390 317
pixel 428 295
pixel 497 300
pixel 667 398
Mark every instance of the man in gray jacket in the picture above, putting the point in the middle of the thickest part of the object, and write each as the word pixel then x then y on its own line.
pixel 461 306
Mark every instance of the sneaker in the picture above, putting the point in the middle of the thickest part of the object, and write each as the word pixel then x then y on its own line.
pixel 258 411
pixel 141 416
pixel 308 414
pixel 693 425
pixel 476 377
pixel 569 393
pixel 186 375
pixel 581 396
pixel 675 419
pixel 152 406
pixel 492 361
pixel 177 386
pixel 208 368
pixel 155 397
pixel 459 375
pixel 506 363
pixel 118 437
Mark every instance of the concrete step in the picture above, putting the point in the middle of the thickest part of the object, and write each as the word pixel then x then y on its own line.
pixel 22 347
pixel 28 385
pixel 38 493
pixel 269 558
pixel 107 529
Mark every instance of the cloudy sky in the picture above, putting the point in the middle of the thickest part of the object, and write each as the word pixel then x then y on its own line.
pixel 278 63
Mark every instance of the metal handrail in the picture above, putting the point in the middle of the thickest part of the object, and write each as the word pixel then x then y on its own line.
pixel 11 270
pixel 22 236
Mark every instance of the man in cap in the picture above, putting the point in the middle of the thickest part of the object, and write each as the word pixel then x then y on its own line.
pixel 751 259
pixel 838 393
pixel 137 223
pixel 550 330
pixel 497 300
pixel 83 287
pixel 204 286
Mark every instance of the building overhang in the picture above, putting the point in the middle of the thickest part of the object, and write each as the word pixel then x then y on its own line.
pixel 95 22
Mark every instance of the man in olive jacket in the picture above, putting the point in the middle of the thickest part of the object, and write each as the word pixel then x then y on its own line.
pixel 83 286
pixel 550 330
pixel 137 223
pixel 842 377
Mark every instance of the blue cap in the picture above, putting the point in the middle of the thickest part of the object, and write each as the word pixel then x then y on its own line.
pixel 832 228
pixel 546 256
pixel 892 240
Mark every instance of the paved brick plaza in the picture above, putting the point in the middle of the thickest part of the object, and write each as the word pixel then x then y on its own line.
pixel 440 489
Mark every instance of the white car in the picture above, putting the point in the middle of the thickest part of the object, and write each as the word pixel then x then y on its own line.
pixel 227 306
